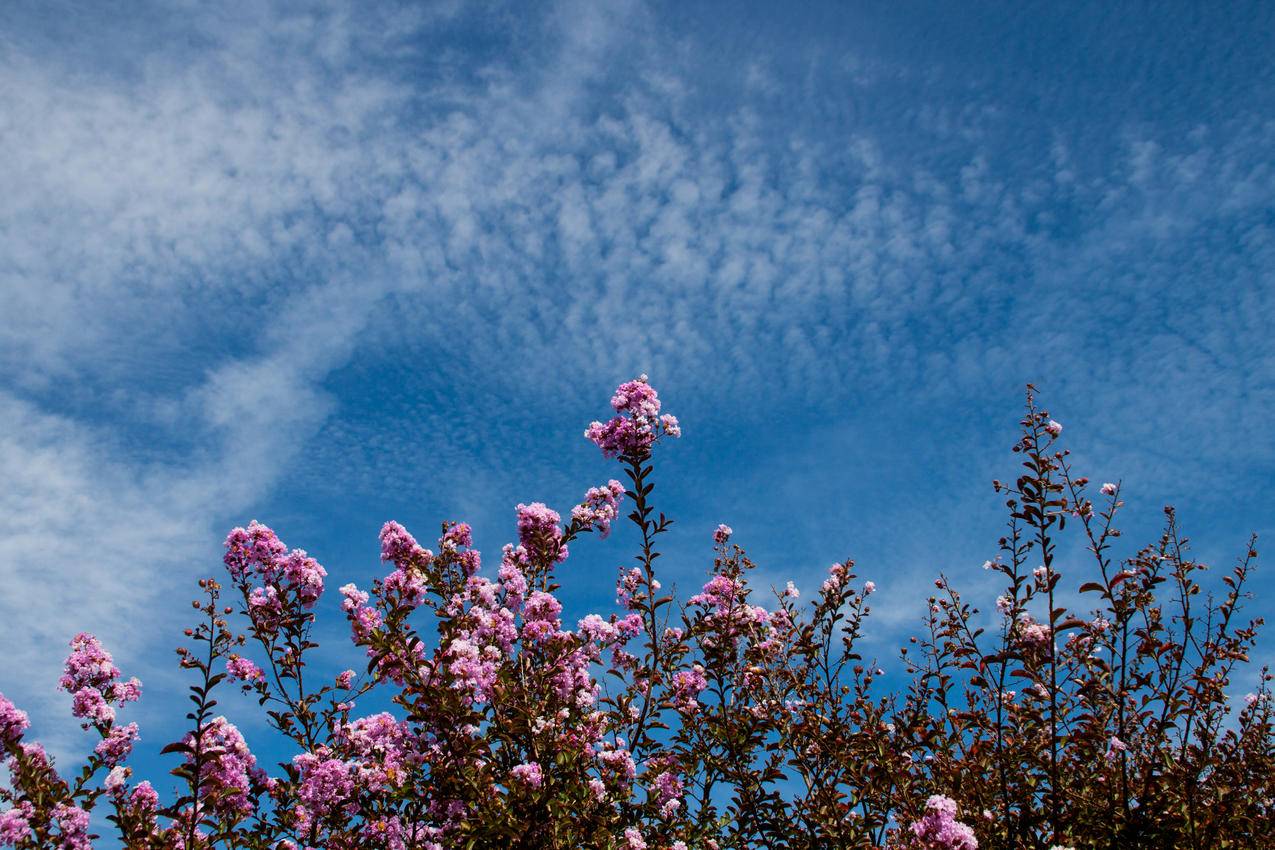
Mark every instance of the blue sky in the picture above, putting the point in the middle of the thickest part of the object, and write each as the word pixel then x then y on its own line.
pixel 323 266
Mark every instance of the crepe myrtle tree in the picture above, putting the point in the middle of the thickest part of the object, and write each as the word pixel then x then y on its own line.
pixel 719 721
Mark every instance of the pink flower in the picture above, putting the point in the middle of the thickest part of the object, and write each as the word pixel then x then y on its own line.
pixel 540 617
pixel 73 822
pixel 401 548
pixel 1054 428
pixel 528 774
pixel 687 686
pixel 1034 633
pixel 115 780
pixel 668 789
pixel 1115 747
pixel 251 547
pixel 600 507
pixel 144 797
pixel 257 553
pixel 88 666
pixel 226 775
pixel 15 824
pixel 353 597
pixel 836 577
pixel 719 592
pixel 539 533
pixel 89 704
pixel 722 534
pixel 326 785
pixel 243 669
pixel 639 424
pixel 869 587
pixel 117 744
pixel 1108 489
pixel 939 829
pixel 13 722
pixel 458 535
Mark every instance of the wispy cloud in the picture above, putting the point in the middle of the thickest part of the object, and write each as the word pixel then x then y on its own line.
pixel 312 253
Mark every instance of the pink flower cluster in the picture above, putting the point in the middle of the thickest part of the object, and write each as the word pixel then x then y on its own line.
pixel 15 824
pixel 401 548
pixel 238 667
pixel 410 560
pixel 256 553
pixel 528 774
pixel 327 786
pixel 383 748
pixel 687 686
pixel 938 828
pixel 1034 633
pixel 228 767
pixel 719 592
pixel 600 507
pixel 117 744
pixel 13 722
pixel 638 425
pixel 90 676
pixel 539 533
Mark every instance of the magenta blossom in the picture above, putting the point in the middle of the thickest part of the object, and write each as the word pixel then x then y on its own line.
pixel 638 425
pixel 939 829
pixel 13 722
pixel 528 774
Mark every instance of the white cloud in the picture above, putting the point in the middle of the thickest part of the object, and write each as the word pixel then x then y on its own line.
pixel 193 245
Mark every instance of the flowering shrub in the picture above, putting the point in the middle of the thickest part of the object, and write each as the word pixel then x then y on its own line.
pixel 724 721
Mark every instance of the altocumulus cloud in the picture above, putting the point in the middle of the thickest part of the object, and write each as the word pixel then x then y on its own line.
pixel 209 219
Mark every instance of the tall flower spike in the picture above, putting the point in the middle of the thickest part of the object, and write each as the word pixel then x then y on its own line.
pixel 638 423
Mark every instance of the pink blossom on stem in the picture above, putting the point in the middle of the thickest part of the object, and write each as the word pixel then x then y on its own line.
pixel 117 744
pixel 116 780
pixel 401 548
pixel 73 823
pixel 88 666
pixel 243 669
pixel 627 585
pixel 938 828
pixel 257 553
pixel 15 824
pixel 88 704
pixel 144 797
pixel 639 424
pixel 251 547
pixel 226 776
pixel 457 535
pixel 13 722
pixel 528 774
pixel 540 534
pixel 600 507
pixel 326 785
pixel 540 617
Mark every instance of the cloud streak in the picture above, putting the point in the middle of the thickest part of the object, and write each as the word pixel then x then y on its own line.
pixel 220 253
